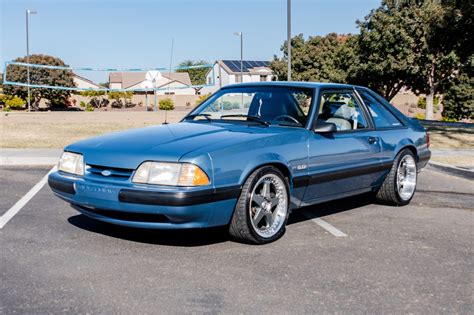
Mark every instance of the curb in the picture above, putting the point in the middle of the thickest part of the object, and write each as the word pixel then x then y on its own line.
pixel 452 170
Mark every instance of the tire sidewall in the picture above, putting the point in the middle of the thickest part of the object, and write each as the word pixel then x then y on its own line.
pixel 254 179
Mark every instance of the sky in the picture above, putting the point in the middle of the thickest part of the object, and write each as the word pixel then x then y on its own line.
pixel 138 33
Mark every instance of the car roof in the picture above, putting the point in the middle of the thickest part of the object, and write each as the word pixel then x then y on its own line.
pixel 312 85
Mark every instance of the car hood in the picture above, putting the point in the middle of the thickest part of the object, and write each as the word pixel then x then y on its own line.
pixel 128 149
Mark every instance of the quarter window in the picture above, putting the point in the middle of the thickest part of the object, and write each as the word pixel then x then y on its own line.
pixel 380 115
pixel 341 108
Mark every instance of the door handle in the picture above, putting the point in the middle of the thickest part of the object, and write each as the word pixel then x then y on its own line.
pixel 372 140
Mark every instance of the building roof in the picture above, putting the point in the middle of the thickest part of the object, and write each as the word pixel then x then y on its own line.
pixel 86 80
pixel 128 79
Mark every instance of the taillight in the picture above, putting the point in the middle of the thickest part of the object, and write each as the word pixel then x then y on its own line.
pixel 427 140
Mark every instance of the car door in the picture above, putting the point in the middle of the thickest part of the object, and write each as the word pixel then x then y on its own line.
pixel 347 161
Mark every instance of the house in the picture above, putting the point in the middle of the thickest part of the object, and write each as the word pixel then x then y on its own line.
pixel 173 83
pixel 226 72
pixel 84 83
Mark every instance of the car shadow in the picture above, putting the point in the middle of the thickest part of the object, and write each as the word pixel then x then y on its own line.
pixel 182 238
pixel 208 236
pixel 331 207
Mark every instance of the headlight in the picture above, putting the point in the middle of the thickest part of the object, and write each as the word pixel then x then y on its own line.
pixel 170 174
pixel 71 163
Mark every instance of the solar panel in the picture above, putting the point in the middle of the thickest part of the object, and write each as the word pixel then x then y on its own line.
pixel 234 65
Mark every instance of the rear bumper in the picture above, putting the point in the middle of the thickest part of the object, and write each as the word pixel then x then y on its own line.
pixel 423 159
pixel 146 207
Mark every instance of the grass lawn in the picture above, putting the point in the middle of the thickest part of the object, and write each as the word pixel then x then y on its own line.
pixel 58 129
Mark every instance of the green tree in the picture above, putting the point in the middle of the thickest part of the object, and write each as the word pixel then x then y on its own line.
pixel 40 76
pixel 383 53
pixel 435 51
pixel 458 100
pixel 166 104
pixel 198 74
pixel 319 58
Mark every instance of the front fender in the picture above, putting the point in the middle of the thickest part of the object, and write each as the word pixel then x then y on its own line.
pixel 264 159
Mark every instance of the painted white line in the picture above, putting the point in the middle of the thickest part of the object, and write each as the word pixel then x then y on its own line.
pixel 328 227
pixel 7 216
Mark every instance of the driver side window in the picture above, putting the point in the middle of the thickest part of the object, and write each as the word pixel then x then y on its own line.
pixel 342 109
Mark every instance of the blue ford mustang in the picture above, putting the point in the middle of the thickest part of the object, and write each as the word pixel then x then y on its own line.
pixel 245 158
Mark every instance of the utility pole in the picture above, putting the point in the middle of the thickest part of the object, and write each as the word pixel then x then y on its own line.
pixel 27 13
pixel 288 39
pixel 241 35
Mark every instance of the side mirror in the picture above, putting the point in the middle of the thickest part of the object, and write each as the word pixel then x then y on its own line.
pixel 325 127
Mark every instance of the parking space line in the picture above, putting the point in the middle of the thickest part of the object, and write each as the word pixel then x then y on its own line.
pixel 328 227
pixel 7 216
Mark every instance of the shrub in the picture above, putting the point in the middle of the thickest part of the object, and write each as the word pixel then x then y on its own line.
pixel 13 102
pixel 422 102
pixel 89 108
pixel 202 98
pixel 82 104
pixel 447 119
pixel 166 104
pixel 117 97
pixel 420 116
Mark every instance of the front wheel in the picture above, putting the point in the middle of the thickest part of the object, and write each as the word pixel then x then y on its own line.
pixel 262 209
pixel 399 186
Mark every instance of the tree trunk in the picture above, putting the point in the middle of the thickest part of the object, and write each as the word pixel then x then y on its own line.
pixel 429 104
pixel 431 94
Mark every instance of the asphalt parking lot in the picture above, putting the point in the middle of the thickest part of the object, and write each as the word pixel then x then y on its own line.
pixel 414 259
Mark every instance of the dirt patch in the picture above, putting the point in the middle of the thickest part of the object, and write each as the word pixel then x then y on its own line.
pixel 58 129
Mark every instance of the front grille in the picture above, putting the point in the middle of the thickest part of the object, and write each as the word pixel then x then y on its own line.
pixel 109 172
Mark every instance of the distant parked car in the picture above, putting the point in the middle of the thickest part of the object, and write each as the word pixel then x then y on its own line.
pixel 245 158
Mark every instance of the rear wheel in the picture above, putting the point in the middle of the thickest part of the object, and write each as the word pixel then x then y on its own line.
pixel 262 209
pixel 399 186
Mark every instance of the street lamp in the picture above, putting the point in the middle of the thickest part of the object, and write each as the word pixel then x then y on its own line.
pixel 27 14
pixel 288 40
pixel 241 55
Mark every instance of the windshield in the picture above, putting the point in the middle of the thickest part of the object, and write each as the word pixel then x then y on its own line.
pixel 272 105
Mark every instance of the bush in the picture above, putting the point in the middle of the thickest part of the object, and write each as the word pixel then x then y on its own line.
pixel 422 102
pixel 13 102
pixel 89 108
pixel 82 104
pixel 202 98
pixel 166 104
pixel 420 116
pixel 117 97
pixel 447 119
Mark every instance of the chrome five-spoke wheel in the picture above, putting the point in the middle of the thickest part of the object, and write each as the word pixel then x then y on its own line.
pixel 268 205
pixel 261 211
pixel 406 177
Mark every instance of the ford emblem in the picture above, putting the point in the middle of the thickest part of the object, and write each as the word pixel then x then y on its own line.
pixel 106 173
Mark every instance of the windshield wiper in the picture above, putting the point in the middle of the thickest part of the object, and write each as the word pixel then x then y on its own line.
pixel 249 117
pixel 207 116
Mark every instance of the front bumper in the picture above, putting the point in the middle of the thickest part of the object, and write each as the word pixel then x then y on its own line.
pixel 143 206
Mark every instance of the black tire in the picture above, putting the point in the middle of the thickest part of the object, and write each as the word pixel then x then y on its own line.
pixel 388 192
pixel 241 228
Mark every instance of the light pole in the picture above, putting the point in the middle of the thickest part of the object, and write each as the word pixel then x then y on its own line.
pixel 241 55
pixel 27 14
pixel 288 40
